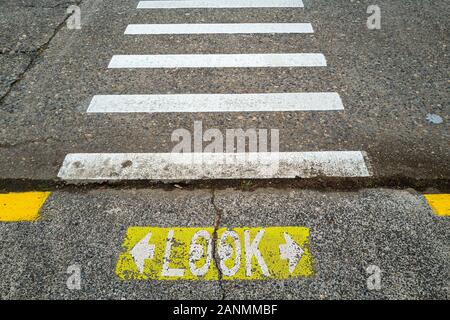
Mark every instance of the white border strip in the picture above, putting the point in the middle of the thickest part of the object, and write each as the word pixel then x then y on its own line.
pixel 198 166
pixel 187 4
pixel 259 102
pixel 218 28
pixel 219 60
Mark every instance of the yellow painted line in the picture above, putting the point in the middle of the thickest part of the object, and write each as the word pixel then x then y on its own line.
pixel 440 203
pixel 23 206
pixel 152 253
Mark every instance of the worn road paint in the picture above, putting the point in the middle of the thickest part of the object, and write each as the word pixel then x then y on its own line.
pixel 200 166
pixel 219 28
pixel 262 102
pixel 152 253
pixel 186 4
pixel 440 203
pixel 263 60
pixel 21 206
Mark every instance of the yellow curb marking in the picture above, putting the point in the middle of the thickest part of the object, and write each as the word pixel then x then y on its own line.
pixel 23 206
pixel 152 253
pixel 440 203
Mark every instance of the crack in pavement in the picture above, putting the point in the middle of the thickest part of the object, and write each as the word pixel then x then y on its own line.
pixel 35 54
pixel 218 219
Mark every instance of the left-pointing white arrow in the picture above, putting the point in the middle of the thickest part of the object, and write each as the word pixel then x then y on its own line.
pixel 291 251
pixel 142 251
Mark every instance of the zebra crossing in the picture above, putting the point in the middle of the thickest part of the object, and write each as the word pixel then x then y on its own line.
pixel 192 166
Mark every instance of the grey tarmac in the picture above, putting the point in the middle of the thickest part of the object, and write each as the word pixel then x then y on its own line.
pixel 390 81
pixel 394 230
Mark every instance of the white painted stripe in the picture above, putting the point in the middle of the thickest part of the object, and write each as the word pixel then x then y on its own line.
pixel 260 102
pixel 219 28
pixel 194 166
pixel 219 60
pixel 177 4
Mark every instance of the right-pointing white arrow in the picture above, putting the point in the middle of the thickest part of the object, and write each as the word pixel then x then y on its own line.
pixel 142 251
pixel 291 251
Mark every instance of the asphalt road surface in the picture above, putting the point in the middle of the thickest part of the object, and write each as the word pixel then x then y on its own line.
pixel 357 130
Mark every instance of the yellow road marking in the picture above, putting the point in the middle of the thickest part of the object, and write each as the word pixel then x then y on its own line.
pixel 23 206
pixel 440 203
pixel 152 253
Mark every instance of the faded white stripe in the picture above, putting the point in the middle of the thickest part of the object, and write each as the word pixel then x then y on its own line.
pixel 261 102
pixel 219 60
pixel 219 28
pixel 195 166
pixel 220 4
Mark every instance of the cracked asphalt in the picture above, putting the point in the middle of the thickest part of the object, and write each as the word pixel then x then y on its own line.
pixel 389 81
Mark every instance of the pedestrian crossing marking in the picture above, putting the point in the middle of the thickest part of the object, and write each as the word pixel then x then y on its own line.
pixel 263 102
pixel 193 166
pixel 262 60
pixel 188 4
pixel 218 28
